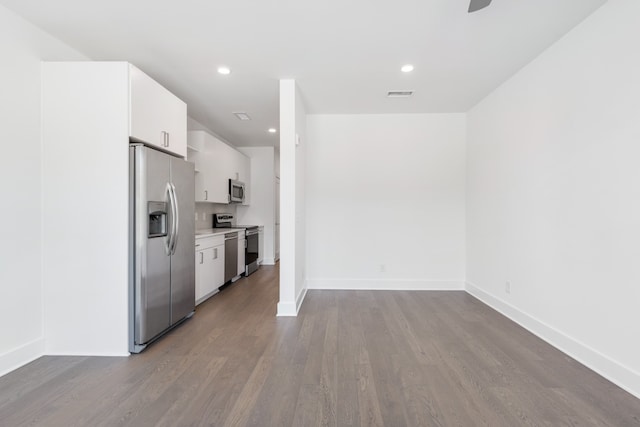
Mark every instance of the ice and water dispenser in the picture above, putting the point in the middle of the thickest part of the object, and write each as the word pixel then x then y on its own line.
pixel 157 219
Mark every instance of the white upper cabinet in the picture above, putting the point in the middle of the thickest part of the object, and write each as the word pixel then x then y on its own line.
pixel 242 173
pixel 216 162
pixel 157 117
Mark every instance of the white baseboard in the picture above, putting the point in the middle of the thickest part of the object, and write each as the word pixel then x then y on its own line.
pixel 290 308
pixel 207 296
pixel 386 284
pixel 617 373
pixel 287 309
pixel 20 356
pixel 268 261
pixel 300 298
pixel 88 354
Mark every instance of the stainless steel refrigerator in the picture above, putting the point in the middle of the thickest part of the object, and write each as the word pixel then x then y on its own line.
pixel 162 252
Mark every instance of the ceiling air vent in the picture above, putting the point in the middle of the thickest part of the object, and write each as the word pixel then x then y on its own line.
pixel 242 116
pixel 399 93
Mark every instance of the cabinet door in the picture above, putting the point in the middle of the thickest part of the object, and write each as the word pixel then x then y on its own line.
pixel 201 272
pixel 218 266
pixel 205 274
pixel 215 168
pixel 157 117
pixel 203 178
pixel 242 244
pixel 197 154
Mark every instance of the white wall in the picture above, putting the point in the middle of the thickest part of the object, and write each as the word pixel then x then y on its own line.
pixel 262 210
pixel 85 206
pixel 385 201
pixel 292 198
pixel 23 46
pixel 301 143
pixel 554 194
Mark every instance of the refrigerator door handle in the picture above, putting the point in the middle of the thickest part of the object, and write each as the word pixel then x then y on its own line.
pixel 176 218
pixel 172 219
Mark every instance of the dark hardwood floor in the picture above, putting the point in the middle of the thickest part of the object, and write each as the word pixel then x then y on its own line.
pixel 362 358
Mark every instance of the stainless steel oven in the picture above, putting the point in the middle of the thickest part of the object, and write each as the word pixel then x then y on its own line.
pixel 252 249
pixel 251 242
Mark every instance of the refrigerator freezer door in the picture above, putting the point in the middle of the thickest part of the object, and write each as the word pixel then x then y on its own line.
pixel 183 275
pixel 152 262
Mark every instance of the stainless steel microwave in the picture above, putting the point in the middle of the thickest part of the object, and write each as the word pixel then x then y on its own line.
pixel 236 191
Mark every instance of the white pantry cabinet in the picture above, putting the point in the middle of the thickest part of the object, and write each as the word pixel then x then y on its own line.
pixel 216 162
pixel 209 266
pixel 158 117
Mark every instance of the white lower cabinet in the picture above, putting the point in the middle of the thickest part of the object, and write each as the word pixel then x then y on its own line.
pixel 260 244
pixel 218 265
pixel 209 266
pixel 242 244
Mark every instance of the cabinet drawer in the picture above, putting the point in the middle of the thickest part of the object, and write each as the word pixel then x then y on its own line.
pixel 209 242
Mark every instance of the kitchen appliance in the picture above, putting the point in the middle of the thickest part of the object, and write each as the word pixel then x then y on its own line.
pixel 251 251
pixel 222 220
pixel 162 250
pixel 236 191
pixel 252 243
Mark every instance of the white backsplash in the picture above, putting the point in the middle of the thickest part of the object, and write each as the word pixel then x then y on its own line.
pixel 205 211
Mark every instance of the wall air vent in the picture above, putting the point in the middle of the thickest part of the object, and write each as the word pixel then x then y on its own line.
pixel 242 116
pixel 399 93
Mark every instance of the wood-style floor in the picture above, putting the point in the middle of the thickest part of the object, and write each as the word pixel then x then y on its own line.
pixel 363 358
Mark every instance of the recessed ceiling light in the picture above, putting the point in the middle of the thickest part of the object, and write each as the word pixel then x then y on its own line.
pixel 242 116
pixel 273 130
pixel 407 68
pixel 224 70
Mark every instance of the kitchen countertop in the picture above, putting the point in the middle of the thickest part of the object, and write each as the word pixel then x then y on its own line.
pixel 208 232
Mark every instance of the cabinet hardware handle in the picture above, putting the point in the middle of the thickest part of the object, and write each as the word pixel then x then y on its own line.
pixel 201 257
pixel 206 195
pixel 215 253
pixel 168 139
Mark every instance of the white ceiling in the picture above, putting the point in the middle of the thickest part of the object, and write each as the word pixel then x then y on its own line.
pixel 345 54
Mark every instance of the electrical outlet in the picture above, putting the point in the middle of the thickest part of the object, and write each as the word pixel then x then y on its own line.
pixel 507 287
pixel 383 268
